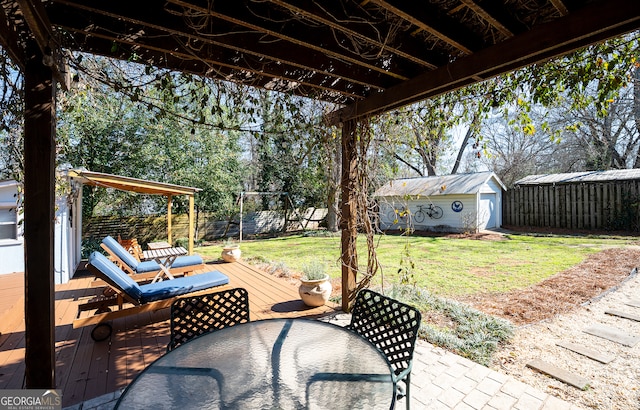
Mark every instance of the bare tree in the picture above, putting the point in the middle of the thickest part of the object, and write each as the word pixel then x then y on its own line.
pixel 514 154
pixel 603 139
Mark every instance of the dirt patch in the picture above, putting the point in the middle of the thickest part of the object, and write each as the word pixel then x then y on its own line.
pixel 563 292
pixel 438 320
pixel 480 236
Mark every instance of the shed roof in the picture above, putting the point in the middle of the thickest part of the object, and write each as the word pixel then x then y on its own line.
pixel 576 177
pixel 460 184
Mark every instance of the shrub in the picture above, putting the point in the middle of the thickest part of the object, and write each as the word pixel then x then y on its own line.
pixel 314 271
pixel 471 333
pixel 181 242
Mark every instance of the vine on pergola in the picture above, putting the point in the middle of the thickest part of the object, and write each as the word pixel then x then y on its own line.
pixel 364 207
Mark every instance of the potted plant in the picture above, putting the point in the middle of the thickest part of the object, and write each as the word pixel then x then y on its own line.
pixel 315 287
pixel 231 251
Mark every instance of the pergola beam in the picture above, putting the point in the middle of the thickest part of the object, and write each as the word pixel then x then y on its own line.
pixel 425 18
pixel 257 74
pixel 302 36
pixel 488 17
pixel 38 22
pixel 416 52
pixel 9 41
pixel 560 6
pixel 594 23
pixel 111 17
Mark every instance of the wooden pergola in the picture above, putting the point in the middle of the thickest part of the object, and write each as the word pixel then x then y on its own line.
pixel 368 56
pixel 142 186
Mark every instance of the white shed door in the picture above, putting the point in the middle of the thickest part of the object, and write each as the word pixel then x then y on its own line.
pixel 487 215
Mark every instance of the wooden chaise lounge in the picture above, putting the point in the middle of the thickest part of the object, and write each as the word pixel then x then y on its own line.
pixel 149 270
pixel 129 297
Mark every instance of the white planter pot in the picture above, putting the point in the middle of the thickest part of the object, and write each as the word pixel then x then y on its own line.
pixel 231 253
pixel 315 292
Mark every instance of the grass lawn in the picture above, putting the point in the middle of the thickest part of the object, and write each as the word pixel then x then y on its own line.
pixel 441 268
pixel 442 265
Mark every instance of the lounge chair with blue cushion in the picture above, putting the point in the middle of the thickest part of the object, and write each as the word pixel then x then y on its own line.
pixel 132 298
pixel 149 270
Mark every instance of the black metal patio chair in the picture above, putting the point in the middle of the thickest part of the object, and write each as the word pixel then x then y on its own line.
pixel 392 327
pixel 194 316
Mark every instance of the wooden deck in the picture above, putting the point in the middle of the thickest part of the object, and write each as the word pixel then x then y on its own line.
pixel 86 369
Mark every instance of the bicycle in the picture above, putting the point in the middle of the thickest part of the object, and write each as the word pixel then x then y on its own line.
pixel 432 211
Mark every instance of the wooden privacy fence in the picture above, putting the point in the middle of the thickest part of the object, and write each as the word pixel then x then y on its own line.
pixel 149 228
pixel 611 205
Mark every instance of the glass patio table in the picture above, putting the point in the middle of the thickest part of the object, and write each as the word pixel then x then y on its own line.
pixel 267 364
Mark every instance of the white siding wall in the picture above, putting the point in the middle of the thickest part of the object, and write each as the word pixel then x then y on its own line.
pixel 11 249
pixel 451 221
pixel 63 261
pixel 68 236
pixel 471 217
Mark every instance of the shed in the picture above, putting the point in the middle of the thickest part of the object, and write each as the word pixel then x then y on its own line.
pixel 448 203
pixel 11 238
pixel 576 200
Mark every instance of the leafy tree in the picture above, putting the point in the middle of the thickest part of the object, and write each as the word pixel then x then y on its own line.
pixel 148 135
pixel 416 136
pixel 12 108
pixel 199 154
pixel 103 132
pixel 194 131
pixel 514 154
pixel 576 113
pixel 591 76
pixel 289 155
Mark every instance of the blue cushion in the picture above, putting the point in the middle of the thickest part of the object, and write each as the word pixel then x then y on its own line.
pixel 117 276
pixel 121 252
pixel 180 286
pixel 147 266
pixel 182 261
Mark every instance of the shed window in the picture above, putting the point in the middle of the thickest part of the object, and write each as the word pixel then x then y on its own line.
pixel 8 222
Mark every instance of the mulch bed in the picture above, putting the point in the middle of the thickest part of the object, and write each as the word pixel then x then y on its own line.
pixel 562 292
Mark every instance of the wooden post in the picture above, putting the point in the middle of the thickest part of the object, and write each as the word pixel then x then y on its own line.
pixel 241 213
pixel 349 212
pixel 39 191
pixel 191 224
pixel 169 218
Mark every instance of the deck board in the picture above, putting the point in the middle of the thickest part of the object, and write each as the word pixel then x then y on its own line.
pixel 86 369
pixel 12 284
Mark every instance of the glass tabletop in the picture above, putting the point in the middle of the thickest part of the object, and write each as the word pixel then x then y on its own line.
pixel 268 364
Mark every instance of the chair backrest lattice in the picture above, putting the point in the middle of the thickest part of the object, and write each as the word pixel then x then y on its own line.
pixel 196 315
pixel 390 325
